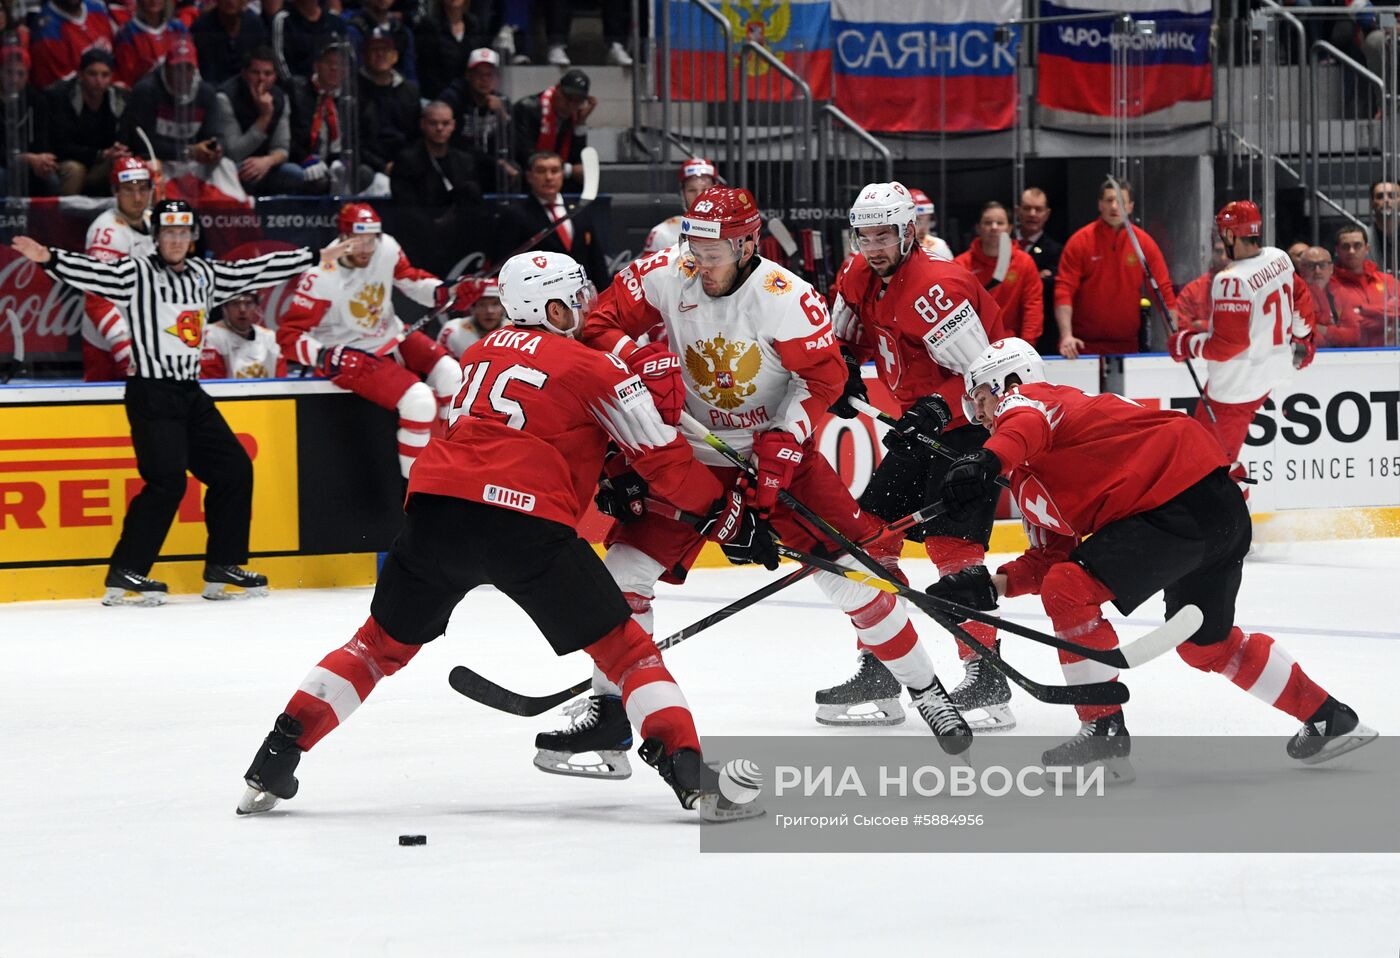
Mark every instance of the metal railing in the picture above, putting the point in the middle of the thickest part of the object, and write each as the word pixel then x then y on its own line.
pixel 775 154
pixel 695 101
pixel 848 157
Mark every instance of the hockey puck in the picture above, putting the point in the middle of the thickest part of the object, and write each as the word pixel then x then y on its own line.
pixel 413 839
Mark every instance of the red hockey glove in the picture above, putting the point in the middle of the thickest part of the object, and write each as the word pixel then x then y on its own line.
pixel 1184 345
pixel 1304 350
pixel 660 369
pixel 458 298
pixel 776 456
pixel 333 361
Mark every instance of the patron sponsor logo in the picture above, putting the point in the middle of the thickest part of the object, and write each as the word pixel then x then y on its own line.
pixel 509 498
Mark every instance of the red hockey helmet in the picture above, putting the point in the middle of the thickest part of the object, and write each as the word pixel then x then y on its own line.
pixel 697 166
pixel 129 170
pixel 1240 217
pixel 356 219
pixel 923 206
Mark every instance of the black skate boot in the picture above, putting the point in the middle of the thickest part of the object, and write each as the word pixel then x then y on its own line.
pixel 600 729
pixel 121 581
pixel 984 689
pixel 870 697
pixel 1105 742
pixel 937 709
pixel 270 777
pixel 1332 730
pixel 697 785
pixel 253 584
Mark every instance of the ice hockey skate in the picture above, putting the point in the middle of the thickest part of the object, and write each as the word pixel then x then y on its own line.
pixel 870 697
pixel 270 777
pixel 983 696
pixel 1104 741
pixel 934 705
pixel 696 784
pixel 121 583
pixel 217 578
pixel 594 746
pixel 1332 730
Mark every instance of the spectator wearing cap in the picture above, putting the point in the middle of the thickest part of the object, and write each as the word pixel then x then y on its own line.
pixel 318 111
pixel 84 119
pixel 375 19
pixel 177 110
pixel 445 40
pixel 483 118
pixel 37 168
pixel 578 237
pixel 553 121
pixel 65 30
pixel 300 32
pixel 388 103
pixel 435 190
pixel 1032 213
pixel 1362 293
pixel 145 41
pixel 257 128
pixel 224 35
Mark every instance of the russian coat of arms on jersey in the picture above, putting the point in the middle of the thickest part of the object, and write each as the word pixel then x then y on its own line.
pixel 368 305
pixel 723 371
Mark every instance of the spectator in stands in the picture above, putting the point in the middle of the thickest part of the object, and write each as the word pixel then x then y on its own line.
pixel 1361 290
pixel 1019 294
pixel 257 128
pixel 1100 282
pixel 1333 328
pixel 388 103
pixel 374 18
pixel 84 116
pixel 13 32
pixel 483 118
pixel 238 346
pixel 37 166
pixel 318 141
pixel 224 35
pixel 143 43
pixel 299 33
pixel 67 29
pixel 617 16
pixel 177 110
pixel 1296 249
pixel 552 121
pixel 1193 302
pixel 544 175
pixel 1385 222
pixel 436 193
pixel 1032 213
pixel 445 40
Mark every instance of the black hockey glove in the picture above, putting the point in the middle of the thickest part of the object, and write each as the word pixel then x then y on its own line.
pixel 331 361
pixel 971 587
pixel 855 388
pixel 928 416
pixel 969 482
pixel 623 497
pixel 741 534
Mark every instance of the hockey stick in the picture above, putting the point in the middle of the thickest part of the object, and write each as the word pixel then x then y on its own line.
pixel 1096 693
pixel 16 361
pixel 157 168
pixel 1156 290
pixel 864 406
pixel 781 233
pixel 483 690
pixel 1003 264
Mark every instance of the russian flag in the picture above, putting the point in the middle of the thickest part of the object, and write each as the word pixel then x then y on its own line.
pixel 1170 64
pixel 798 32
pixel 925 64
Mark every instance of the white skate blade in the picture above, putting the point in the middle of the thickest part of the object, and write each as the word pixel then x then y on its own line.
pixel 874 712
pixel 1350 742
pixel 1117 771
pixel 220 590
pixel 607 763
pixel 990 718
pixel 715 809
pixel 255 802
pixel 117 597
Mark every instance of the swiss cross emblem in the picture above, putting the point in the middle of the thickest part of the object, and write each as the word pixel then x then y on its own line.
pixel 540 261
pixel 724 379
pixel 1037 506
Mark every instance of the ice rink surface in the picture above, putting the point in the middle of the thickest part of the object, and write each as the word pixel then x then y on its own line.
pixel 126 732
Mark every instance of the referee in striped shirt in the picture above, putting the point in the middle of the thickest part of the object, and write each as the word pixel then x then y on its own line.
pixel 174 424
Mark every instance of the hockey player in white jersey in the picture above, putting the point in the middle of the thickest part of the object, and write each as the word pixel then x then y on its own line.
pixel 341 321
pixel 121 231
pixel 924 218
pixel 487 316
pixel 696 176
pixel 759 366
pixel 238 346
pixel 1261 328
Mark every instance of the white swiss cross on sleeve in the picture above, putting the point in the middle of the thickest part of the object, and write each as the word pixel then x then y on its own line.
pixel 1037 506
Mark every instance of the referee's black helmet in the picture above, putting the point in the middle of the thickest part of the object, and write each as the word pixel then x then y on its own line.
pixel 173 213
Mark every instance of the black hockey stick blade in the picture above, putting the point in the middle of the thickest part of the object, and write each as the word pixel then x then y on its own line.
pixel 481 689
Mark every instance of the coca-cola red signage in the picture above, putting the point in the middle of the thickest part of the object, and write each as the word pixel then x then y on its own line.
pixel 43 315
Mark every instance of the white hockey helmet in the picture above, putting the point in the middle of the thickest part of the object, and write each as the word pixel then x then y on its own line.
pixel 530 281
pixel 883 204
pixel 1005 357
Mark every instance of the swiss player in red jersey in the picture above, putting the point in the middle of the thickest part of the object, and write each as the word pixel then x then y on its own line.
pixel 922 320
pixel 1121 502
pixel 496 501
pixel 1261 328
pixel 760 366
